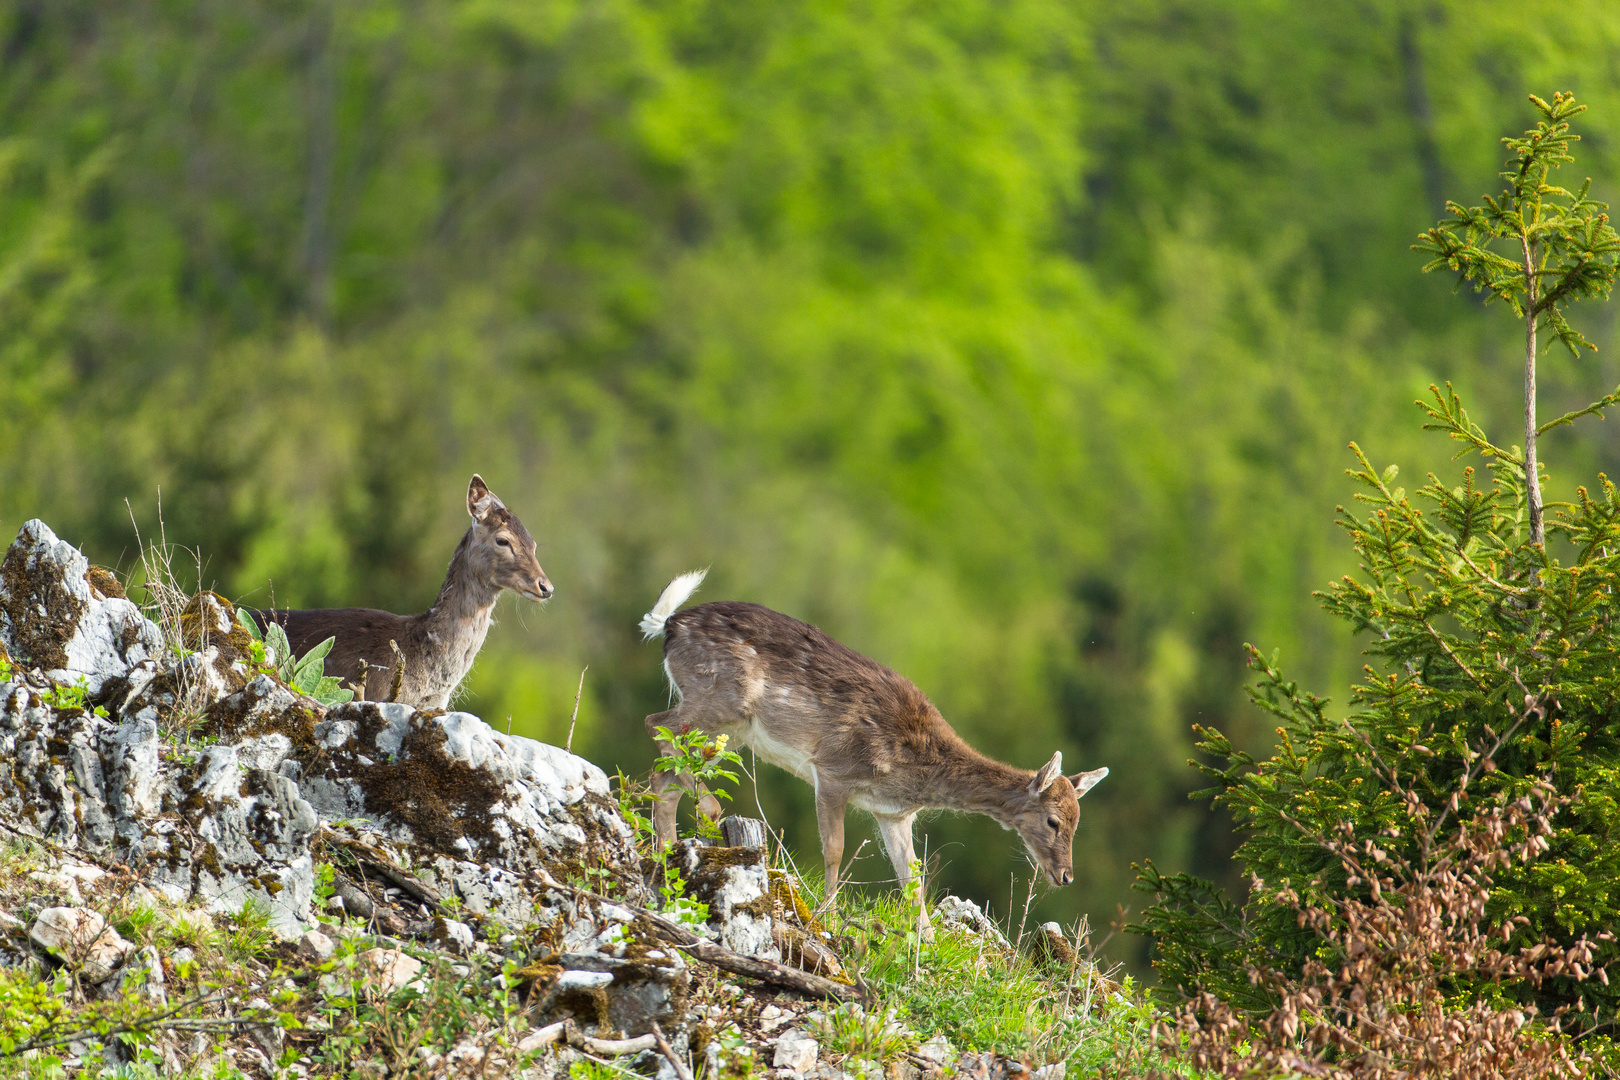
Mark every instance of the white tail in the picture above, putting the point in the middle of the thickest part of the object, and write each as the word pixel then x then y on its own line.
pixel 674 595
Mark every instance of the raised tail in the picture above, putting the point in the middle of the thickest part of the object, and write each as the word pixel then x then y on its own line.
pixel 674 595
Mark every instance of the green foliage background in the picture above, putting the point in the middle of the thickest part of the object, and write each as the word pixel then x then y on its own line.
pixel 1016 344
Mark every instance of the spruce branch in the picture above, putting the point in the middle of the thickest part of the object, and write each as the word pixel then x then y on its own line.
pixel 1594 409
pixel 1553 247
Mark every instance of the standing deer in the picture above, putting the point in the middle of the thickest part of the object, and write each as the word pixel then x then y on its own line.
pixel 435 649
pixel 858 732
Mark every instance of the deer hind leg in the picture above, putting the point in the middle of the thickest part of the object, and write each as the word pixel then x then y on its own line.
pixel 830 802
pixel 896 832
pixel 666 787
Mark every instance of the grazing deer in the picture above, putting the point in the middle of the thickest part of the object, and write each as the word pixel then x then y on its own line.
pixel 436 649
pixel 858 732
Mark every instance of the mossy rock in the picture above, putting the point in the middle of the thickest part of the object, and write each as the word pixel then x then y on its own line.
pixel 208 619
pixel 105 582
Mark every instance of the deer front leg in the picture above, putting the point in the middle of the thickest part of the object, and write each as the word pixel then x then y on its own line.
pixel 896 833
pixel 830 802
pixel 666 787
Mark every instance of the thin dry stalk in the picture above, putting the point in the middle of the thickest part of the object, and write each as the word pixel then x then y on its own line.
pixel 569 745
pixel 165 601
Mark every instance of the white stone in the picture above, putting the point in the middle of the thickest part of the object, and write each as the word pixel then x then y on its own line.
pixel 458 936
pixel 83 940
pixel 468 1052
pixel 316 946
pixel 795 1051
pixel 59 882
pixel 966 915
pixel 1051 1072
pixel 84 875
pixel 583 980
pixel 386 970
pixel 146 968
pixel 938 1050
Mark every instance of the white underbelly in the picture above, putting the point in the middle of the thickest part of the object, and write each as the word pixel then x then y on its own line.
pixel 778 753
pixel 874 803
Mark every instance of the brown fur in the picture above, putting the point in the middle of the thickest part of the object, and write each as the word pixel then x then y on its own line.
pixel 857 731
pixel 439 645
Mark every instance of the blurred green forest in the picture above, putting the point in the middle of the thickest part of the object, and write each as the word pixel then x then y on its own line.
pixel 1014 343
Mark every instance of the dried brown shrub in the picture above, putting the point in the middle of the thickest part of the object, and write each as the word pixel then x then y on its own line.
pixel 1414 977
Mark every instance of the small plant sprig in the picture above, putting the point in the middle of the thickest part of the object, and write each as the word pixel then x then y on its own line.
pixel 62 696
pixel 702 758
pixel 1552 247
pixel 272 654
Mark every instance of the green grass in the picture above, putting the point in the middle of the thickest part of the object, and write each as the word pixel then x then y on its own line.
pixel 981 997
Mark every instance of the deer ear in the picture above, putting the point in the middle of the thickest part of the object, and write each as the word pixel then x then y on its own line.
pixel 480 500
pixel 1085 781
pixel 1046 774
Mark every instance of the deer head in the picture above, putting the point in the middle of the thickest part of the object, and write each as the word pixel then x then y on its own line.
pixel 1049 814
pixel 500 550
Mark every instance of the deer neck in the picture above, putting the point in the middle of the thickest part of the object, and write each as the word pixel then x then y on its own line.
pixel 459 619
pixel 978 784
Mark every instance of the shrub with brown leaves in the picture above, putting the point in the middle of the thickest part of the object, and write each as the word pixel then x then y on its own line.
pixel 1413 977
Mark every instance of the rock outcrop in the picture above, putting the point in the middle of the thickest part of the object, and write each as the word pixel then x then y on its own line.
pixel 212 780
pixel 386 846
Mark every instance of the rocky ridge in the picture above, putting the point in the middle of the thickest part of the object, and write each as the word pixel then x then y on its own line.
pixel 171 780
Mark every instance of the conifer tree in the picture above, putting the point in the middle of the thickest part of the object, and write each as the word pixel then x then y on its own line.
pixel 1493 668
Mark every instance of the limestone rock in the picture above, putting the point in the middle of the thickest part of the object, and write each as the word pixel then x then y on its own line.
pixel 144 969
pixel 316 946
pixel 735 883
pixel 82 939
pixel 614 994
pixel 254 828
pixel 480 808
pixel 53 618
pixel 455 936
pixel 378 971
pixel 795 1051
pixel 966 915
pixel 229 818
pixel 227 826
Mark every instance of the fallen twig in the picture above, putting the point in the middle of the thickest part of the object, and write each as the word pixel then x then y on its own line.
pixel 767 971
pixel 566 1031
pixel 681 1071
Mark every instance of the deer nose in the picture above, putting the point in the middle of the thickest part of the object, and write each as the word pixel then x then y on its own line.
pixel 543 587
pixel 1066 877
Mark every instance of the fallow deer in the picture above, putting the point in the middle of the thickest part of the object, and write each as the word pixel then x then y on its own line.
pixel 437 647
pixel 857 731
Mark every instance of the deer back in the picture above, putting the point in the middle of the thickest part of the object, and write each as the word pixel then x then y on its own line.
pixel 802 700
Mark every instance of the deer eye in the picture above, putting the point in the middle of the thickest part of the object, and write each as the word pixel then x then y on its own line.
pixel 1052 821
pixel 501 540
